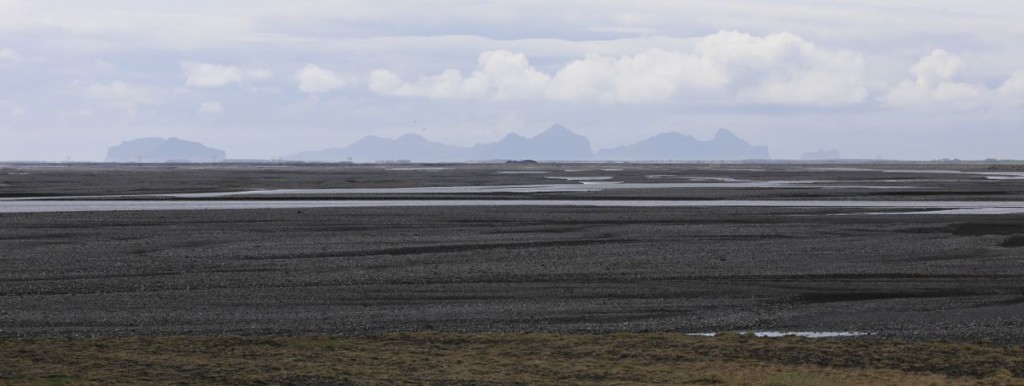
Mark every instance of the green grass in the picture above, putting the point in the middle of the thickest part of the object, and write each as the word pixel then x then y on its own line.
pixel 417 358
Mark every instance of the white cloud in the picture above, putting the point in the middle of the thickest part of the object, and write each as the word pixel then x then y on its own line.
pixel 938 66
pixel 120 94
pixel 500 75
pixel 314 79
pixel 785 69
pixel 217 75
pixel 387 83
pixel 510 75
pixel 9 55
pixel 448 84
pixel 1013 88
pixel 778 69
pixel 211 107
pixel 936 83
pixel 652 75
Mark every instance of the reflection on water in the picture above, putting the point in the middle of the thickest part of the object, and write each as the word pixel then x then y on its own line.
pixel 589 178
pixel 951 207
pixel 987 175
pixel 543 188
pixel 973 211
pixel 727 179
pixel 1015 177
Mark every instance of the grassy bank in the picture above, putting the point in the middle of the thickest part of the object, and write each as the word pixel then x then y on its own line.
pixel 506 358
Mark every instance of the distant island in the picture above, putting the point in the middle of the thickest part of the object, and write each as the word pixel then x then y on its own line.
pixel 163 150
pixel 554 144
pixel 821 155
pixel 681 147
pixel 557 143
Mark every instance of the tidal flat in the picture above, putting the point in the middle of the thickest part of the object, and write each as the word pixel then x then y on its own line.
pixel 565 270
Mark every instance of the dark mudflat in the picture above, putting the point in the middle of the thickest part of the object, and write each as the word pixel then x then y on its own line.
pixel 552 269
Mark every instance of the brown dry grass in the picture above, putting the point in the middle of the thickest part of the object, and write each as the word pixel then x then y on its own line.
pixel 444 358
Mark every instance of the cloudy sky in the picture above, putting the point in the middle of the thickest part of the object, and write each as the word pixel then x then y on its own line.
pixel 913 79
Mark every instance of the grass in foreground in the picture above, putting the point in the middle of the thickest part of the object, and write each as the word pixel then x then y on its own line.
pixel 443 358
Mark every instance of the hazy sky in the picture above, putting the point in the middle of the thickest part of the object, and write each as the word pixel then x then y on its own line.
pixel 910 79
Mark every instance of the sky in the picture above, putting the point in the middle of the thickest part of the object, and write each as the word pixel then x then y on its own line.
pixel 913 79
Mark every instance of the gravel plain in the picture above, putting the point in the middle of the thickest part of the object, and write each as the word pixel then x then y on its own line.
pixel 505 269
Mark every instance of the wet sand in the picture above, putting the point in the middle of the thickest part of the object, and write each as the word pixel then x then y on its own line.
pixel 522 268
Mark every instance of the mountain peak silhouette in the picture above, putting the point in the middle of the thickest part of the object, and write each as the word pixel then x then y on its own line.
pixel 557 143
pixel 673 146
